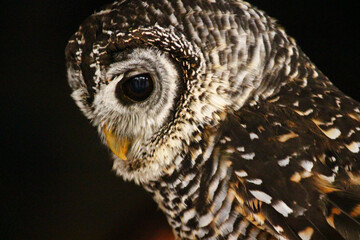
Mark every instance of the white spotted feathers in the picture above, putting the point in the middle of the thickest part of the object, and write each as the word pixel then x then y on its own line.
pixel 212 108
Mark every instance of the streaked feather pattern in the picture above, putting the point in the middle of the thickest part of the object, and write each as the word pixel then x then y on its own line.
pixel 243 137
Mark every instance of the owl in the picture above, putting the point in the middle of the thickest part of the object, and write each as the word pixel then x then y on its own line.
pixel 216 111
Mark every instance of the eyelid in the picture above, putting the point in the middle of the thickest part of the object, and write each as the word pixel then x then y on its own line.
pixel 134 73
pixel 126 75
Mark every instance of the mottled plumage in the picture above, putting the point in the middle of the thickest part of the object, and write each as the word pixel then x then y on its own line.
pixel 212 108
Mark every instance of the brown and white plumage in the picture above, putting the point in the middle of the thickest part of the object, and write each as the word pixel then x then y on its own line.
pixel 239 137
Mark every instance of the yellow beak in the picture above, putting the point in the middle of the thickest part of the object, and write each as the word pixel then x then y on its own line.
pixel 118 145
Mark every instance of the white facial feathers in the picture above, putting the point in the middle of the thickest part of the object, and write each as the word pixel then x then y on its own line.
pixel 139 120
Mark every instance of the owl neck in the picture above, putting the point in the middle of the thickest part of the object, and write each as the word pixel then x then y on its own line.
pixel 195 196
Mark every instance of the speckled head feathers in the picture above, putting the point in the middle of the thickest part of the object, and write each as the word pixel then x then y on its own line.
pixel 207 58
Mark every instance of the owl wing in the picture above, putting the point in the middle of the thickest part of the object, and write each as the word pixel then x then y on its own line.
pixel 296 163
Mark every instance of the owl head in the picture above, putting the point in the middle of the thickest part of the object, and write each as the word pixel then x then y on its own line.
pixel 153 75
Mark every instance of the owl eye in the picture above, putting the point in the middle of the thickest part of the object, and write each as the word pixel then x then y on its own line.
pixel 136 88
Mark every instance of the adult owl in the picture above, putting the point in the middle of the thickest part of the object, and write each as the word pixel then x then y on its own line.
pixel 212 108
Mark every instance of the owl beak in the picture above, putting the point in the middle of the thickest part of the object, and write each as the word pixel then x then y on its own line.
pixel 118 145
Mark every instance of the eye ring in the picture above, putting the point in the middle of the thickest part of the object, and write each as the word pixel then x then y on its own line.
pixel 135 89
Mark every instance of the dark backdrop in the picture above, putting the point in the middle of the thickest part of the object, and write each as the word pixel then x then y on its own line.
pixel 55 178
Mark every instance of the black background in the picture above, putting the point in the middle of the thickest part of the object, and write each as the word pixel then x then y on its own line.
pixel 55 177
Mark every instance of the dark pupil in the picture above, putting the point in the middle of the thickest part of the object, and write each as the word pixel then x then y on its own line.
pixel 139 84
pixel 138 88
